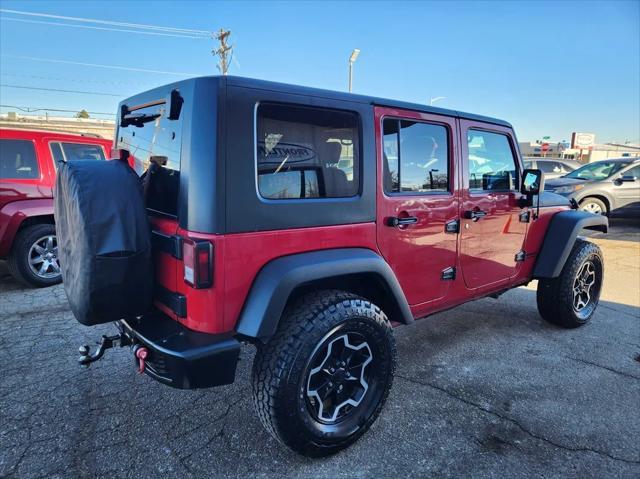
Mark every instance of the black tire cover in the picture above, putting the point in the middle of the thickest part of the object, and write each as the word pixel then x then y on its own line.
pixel 103 240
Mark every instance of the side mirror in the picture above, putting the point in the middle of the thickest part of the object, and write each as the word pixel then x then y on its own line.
pixel 532 182
pixel 628 178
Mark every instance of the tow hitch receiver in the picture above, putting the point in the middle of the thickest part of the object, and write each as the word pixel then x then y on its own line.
pixel 107 342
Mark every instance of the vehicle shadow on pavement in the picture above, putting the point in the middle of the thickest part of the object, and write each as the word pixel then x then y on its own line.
pixel 486 389
pixel 620 229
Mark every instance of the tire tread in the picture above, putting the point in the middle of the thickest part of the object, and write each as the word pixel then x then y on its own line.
pixel 555 295
pixel 312 311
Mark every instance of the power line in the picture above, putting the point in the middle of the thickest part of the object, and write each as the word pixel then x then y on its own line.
pixel 192 31
pixel 120 95
pixel 98 65
pixel 28 109
pixel 110 29
pixel 82 80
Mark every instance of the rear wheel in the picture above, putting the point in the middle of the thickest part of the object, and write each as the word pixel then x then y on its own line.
pixel 34 256
pixel 322 380
pixel 571 299
pixel 594 205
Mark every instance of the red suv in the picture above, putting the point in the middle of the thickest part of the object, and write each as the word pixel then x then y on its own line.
pixel 307 223
pixel 27 173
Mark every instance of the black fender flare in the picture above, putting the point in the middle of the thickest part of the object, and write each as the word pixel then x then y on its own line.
pixel 560 237
pixel 276 281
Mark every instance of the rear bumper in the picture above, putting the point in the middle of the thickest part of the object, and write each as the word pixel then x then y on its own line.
pixel 180 357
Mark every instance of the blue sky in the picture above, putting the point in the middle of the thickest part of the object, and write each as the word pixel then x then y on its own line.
pixel 550 68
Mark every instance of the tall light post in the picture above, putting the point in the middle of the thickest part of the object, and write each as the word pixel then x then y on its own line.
pixel 435 99
pixel 352 59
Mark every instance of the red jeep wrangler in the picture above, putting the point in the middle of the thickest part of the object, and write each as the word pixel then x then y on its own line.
pixel 307 223
pixel 27 173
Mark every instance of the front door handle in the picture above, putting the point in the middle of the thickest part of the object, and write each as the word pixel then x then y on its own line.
pixel 396 221
pixel 475 215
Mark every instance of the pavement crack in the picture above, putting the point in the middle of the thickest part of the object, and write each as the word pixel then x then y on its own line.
pixel 621 373
pixel 516 423
pixel 217 435
pixel 617 310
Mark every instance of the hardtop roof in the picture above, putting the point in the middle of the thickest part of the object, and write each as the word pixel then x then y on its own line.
pixel 320 93
pixel 336 95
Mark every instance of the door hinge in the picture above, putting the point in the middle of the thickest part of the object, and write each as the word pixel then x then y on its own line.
pixel 448 274
pixel 525 217
pixel 176 302
pixel 170 244
pixel 520 256
pixel 452 226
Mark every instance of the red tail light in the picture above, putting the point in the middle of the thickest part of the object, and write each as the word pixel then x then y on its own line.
pixel 198 263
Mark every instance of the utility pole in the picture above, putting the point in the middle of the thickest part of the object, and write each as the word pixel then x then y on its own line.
pixel 224 52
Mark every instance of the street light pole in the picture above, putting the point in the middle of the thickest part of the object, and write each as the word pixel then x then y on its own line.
pixel 433 100
pixel 352 59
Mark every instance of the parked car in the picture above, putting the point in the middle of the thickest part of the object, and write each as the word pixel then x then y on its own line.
pixel 606 187
pixel 552 168
pixel 28 162
pixel 262 234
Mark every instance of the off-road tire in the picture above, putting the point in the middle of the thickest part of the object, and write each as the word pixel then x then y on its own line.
pixel 556 296
pixel 18 260
pixel 281 371
pixel 594 201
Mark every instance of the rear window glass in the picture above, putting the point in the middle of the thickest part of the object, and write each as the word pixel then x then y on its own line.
pixel 306 152
pixel 156 147
pixel 76 151
pixel 18 160
pixel 82 151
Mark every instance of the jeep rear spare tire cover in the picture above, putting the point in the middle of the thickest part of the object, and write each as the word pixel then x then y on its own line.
pixel 103 240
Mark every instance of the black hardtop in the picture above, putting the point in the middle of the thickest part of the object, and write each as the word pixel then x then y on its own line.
pixel 336 95
pixel 214 174
pixel 319 93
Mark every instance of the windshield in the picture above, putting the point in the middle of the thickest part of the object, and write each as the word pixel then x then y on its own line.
pixel 597 171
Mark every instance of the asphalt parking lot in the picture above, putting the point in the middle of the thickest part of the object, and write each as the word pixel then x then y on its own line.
pixel 485 390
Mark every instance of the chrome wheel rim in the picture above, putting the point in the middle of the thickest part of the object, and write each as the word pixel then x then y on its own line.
pixel 583 286
pixel 337 382
pixel 43 257
pixel 592 208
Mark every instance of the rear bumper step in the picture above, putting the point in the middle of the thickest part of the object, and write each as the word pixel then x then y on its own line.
pixel 180 357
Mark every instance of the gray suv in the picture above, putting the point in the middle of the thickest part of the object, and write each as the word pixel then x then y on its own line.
pixel 552 167
pixel 607 187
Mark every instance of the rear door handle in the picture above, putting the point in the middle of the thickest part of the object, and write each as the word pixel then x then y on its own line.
pixel 475 215
pixel 395 221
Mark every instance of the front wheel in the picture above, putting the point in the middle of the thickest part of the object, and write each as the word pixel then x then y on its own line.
pixel 322 380
pixel 594 205
pixel 571 299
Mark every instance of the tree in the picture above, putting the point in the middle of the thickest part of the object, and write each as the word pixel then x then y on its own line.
pixel 82 114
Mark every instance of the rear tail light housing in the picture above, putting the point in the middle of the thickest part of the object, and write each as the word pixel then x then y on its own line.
pixel 198 263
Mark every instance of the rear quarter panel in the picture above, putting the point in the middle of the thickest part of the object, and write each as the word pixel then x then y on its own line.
pixel 13 214
pixel 239 257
